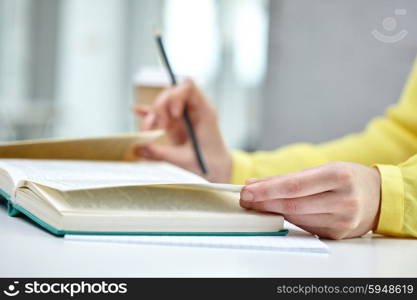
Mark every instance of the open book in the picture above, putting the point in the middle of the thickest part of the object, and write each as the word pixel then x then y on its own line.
pixel 116 197
pixel 117 147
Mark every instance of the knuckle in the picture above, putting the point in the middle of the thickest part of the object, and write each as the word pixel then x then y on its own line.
pixel 292 186
pixel 161 104
pixel 352 203
pixel 343 172
pixel 164 95
pixel 262 191
pixel 186 87
pixel 189 83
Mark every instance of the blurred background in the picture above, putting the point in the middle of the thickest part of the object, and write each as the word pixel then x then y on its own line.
pixel 279 71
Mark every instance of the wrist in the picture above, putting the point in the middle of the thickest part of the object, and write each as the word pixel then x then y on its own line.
pixel 378 196
pixel 220 170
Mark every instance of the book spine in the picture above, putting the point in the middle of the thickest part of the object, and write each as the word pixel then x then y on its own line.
pixel 5 198
pixel 11 210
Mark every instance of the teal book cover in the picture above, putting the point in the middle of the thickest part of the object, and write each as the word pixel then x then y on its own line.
pixel 15 209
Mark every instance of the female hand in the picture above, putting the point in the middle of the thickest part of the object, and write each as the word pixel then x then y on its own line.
pixel 337 200
pixel 167 113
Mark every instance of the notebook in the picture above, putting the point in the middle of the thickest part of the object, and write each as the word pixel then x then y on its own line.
pixel 297 240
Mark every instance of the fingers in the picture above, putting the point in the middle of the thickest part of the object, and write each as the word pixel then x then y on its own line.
pixel 141 110
pixel 156 152
pixel 337 200
pixel 326 202
pixel 149 117
pixel 173 154
pixel 149 121
pixel 160 109
pixel 171 103
pixel 178 99
pixel 299 184
pixel 177 132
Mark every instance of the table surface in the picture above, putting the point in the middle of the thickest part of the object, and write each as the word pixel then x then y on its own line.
pixel 27 250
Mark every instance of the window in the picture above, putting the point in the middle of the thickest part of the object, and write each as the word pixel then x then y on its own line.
pixel 66 67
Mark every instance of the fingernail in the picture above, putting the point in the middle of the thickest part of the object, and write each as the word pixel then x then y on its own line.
pixel 245 204
pixel 247 196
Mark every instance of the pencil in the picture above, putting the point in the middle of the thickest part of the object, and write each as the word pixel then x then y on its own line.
pixel 186 117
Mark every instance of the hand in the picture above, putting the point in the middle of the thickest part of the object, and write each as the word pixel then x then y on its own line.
pixel 167 113
pixel 337 200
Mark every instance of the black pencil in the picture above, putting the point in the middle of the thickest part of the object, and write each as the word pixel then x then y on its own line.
pixel 186 116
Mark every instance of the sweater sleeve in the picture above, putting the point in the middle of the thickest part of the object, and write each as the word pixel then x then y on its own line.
pixel 398 214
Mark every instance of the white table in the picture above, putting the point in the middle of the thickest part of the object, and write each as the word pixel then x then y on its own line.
pixel 27 250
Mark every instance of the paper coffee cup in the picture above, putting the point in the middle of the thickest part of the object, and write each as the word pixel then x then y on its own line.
pixel 148 83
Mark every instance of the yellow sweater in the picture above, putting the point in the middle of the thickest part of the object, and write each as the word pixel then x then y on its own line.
pixel 388 142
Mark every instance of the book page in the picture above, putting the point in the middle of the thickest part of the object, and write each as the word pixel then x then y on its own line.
pixel 145 199
pixel 154 209
pixel 119 147
pixel 15 174
pixel 67 175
